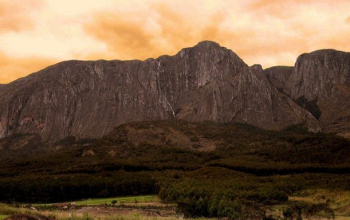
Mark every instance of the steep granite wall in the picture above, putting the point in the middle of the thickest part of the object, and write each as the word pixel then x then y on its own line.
pixel 88 99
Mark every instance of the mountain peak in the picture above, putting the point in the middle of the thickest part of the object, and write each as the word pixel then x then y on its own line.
pixel 207 44
pixel 204 47
pixel 327 51
pixel 257 67
pixel 324 55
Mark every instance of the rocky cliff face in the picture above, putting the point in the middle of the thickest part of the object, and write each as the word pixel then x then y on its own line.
pixel 320 81
pixel 205 82
pixel 316 73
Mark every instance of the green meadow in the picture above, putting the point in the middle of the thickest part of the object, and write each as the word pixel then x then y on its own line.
pixel 129 199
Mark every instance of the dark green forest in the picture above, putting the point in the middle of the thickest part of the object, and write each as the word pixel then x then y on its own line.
pixel 209 169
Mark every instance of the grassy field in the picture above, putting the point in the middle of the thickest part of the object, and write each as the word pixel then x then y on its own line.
pixel 339 201
pixel 120 200
pixel 6 210
pixel 342 218
pixel 124 217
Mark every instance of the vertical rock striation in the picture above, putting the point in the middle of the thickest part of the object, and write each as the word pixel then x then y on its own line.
pixel 205 82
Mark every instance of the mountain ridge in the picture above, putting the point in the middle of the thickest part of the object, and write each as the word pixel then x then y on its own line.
pixel 87 99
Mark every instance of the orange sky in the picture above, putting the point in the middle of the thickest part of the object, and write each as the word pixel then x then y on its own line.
pixel 38 33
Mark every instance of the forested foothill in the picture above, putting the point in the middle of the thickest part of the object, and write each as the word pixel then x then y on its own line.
pixel 208 169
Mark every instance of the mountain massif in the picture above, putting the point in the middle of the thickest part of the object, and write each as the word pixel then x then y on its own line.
pixel 87 99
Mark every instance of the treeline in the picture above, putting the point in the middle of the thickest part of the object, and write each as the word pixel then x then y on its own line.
pixel 59 188
pixel 216 192
pixel 278 168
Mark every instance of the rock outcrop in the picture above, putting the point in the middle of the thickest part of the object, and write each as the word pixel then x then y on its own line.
pixel 321 81
pixel 87 99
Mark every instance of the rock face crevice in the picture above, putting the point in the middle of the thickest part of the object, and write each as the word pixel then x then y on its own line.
pixel 87 99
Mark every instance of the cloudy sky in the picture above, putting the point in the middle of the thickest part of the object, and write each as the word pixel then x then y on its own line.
pixel 38 33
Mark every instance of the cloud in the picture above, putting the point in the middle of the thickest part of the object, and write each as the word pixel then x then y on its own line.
pixel 14 68
pixel 167 29
pixel 117 32
pixel 285 29
pixel 269 32
pixel 264 31
pixel 274 5
pixel 15 15
pixel 159 29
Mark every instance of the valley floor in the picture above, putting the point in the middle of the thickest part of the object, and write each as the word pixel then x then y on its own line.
pixel 128 208
pixel 150 207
